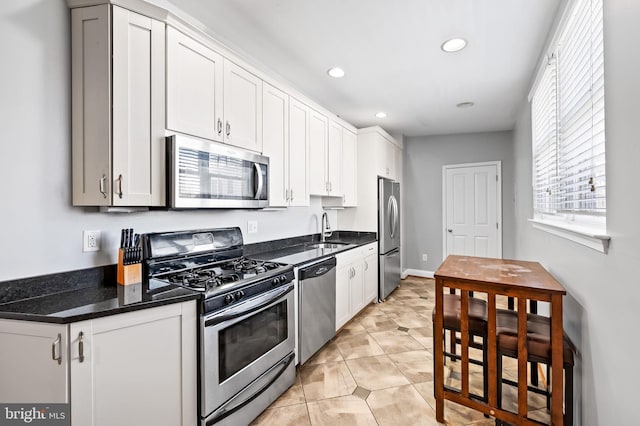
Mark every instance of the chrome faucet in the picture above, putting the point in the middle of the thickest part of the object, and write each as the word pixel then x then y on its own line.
pixel 325 230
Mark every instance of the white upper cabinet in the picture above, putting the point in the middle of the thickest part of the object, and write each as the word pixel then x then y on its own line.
pixel 318 140
pixel 285 138
pixel 194 87
pixel 334 159
pixel 275 139
pixel 378 155
pixel 242 108
pixel 349 168
pixel 299 128
pixel 325 156
pixel 211 97
pixel 118 74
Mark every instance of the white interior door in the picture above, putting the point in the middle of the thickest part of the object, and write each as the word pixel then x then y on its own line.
pixel 472 210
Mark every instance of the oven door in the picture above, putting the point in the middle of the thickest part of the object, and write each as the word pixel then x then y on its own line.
pixel 205 174
pixel 241 343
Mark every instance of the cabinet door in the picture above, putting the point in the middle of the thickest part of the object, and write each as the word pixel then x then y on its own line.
pixel 343 313
pixel 349 168
pixel 389 152
pixel 356 288
pixel 242 107
pixel 135 368
pixel 138 110
pixel 299 154
pixel 275 139
pixel 397 163
pixel 91 106
pixel 334 164
pixel 371 276
pixel 29 369
pixel 318 140
pixel 194 87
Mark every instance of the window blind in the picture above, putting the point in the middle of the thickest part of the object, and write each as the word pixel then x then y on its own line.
pixel 543 107
pixel 568 119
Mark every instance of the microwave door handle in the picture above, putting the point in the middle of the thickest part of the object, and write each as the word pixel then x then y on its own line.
pixel 258 170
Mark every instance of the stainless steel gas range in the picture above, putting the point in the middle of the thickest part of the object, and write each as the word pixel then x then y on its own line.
pixel 246 336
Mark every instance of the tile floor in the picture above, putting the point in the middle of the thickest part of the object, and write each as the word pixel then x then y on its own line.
pixel 378 370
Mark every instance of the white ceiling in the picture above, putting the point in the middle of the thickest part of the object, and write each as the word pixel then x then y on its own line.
pixel 390 51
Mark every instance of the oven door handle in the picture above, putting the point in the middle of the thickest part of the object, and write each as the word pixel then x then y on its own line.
pixel 252 305
pixel 232 405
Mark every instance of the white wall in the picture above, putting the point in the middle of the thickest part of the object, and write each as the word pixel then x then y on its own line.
pixel 602 306
pixel 423 160
pixel 40 232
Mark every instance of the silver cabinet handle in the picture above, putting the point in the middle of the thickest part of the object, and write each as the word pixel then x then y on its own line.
pixel 81 347
pixel 103 191
pixel 292 195
pixel 228 129
pixel 330 186
pixel 53 349
pixel 366 265
pixel 120 186
pixel 219 126
pixel 286 194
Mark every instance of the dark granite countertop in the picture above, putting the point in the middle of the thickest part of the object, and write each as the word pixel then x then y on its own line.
pixel 92 293
pixel 81 295
pixel 296 251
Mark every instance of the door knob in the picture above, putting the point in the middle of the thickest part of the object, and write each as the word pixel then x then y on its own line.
pixel 449 230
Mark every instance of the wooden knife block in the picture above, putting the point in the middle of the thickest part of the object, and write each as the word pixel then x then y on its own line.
pixel 128 274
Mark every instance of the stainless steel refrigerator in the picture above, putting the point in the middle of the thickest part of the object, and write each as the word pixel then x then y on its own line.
pixel 388 236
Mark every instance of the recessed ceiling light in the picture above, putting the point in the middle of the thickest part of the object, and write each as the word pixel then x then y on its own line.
pixel 381 114
pixel 454 45
pixel 465 104
pixel 336 72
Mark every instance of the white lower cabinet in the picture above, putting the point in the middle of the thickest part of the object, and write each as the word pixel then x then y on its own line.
pixel 128 369
pixel 34 363
pixel 356 281
pixel 370 272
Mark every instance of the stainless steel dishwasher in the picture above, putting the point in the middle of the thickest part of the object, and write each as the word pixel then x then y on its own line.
pixel 317 302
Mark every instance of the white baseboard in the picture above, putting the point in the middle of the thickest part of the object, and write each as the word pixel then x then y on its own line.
pixel 417 273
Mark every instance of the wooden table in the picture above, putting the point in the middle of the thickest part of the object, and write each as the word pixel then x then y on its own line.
pixel 513 278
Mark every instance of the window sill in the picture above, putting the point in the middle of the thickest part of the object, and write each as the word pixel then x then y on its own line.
pixel 598 242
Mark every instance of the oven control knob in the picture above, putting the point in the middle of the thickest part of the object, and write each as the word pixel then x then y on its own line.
pixel 283 278
pixel 275 281
pixel 239 295
pixel 229 298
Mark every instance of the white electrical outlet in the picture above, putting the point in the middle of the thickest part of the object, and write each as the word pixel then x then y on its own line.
pixel 252 226
pixel 90 241
pixel 424 257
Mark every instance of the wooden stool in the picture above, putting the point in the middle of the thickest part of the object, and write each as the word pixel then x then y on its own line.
pixel 477 327
pixel 538 350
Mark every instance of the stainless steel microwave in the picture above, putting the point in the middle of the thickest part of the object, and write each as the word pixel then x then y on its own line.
pixel 205 174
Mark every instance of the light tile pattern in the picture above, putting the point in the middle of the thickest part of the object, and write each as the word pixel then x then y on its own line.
pixel 379 371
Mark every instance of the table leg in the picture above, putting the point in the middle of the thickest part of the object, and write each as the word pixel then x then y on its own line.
pixel 438 353
pixel 556 361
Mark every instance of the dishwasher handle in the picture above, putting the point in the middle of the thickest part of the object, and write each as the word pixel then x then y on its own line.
pixel 317 269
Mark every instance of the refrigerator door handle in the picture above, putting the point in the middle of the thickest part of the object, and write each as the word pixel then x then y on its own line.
pixel 390 215
pixel 393 216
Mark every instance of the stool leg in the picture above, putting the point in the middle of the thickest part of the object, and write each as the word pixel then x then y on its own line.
pixel 485 370
pixel 452 344
pixel 548 388
pixel 499 379
pixel 568 395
